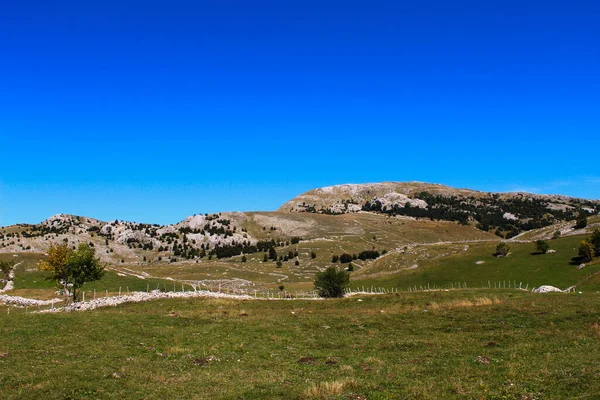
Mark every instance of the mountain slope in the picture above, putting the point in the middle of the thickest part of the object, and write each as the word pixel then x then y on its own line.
pixel 507 214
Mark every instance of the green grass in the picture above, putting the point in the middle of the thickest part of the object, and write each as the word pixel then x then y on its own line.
pixel 417 346
pixel 520 266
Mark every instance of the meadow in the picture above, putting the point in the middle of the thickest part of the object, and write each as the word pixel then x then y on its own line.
pixel 467 344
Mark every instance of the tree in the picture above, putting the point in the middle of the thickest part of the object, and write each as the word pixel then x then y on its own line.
pixel 586 251
pixel 541 246
pixel 502 250
pixel 71 269
pixel 313 255
pixel 581 220
pixel 595 242
pixel 345 258
pixel 272 253
pixel 6 267
pixel 332 282
pixel 244 259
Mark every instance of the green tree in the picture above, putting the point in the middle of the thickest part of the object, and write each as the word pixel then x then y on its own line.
pixel 71 269
pixel 595 242
pixel 581 220
pixel 313 255
pixel 541 246
pixel 244 258
pixel 332 282
pixel 502 250
pixel 272 253
pixel 585 251
pixel 6 267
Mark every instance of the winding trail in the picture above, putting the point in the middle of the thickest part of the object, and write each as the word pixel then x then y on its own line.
pixel 10 285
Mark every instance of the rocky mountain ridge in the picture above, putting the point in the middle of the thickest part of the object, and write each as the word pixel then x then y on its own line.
pixel 204 236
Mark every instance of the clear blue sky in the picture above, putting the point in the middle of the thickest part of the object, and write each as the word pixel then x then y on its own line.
pixel 154 110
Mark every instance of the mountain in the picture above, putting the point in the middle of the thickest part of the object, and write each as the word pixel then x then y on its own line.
pixel 344 218
pixel 507 214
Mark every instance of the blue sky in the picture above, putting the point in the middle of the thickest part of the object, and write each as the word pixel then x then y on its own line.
pixel 152 111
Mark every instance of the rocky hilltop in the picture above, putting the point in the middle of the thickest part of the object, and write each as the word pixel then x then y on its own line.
pixel 321 214
pixel 510 213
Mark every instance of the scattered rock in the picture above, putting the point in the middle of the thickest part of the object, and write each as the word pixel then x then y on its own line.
pixel 550 251
pixel 546 289
pixel 480 262
pixel 483 360
pixel 581 266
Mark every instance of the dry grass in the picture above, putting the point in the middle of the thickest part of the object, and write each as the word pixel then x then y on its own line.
pixel 477 302
pixel 328 390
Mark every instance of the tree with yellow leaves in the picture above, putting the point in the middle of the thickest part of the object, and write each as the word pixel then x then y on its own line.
pixel 70 269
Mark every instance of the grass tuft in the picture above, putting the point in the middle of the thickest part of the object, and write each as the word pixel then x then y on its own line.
pixel 328 390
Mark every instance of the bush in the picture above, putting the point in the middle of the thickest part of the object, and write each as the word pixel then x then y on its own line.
pixel 502 250
pixel 345 258
pixel 581 220
pixel 541 246
pixel 332 282
pixel 586 251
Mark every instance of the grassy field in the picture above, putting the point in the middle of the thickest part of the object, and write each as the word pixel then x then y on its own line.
pixel 443 265
pixel 471 344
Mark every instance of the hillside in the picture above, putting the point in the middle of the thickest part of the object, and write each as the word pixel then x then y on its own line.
pixel 506 214
pixel 266 249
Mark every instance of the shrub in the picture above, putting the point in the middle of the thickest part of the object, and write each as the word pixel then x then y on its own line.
pixel 581 220
pixel 541 246
pixel 502 250
pixel 313 255
pixel 585 251
pixel 331 282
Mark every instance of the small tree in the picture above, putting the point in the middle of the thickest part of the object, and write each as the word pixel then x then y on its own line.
pixel 541 246
pixel 281 287
pixel 586 251
pixel 332 282
pixel 272 253
pixel 581 220
pixel 595 242
pixel 244 259
pixel 502 250
pixel 313 255
pixel 6 267
pixel 70 268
